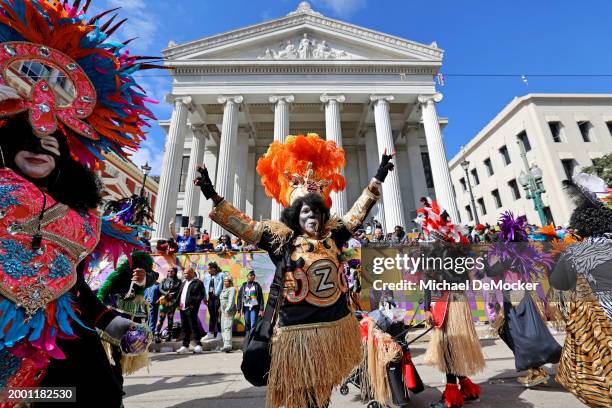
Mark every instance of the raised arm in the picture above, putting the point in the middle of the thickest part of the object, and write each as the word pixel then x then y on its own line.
pixel 172 229
pixel 226 215
pixel 370 195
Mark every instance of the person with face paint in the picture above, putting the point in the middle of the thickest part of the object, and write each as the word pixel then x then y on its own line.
pixel 316 343
pixel 49 195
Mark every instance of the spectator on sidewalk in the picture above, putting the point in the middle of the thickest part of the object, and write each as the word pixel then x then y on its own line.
pixel 151 295
pixel 169 290
pixel 225 244
pixel 378 235
pixel 213 285
pixel 399 235
pixel 186 242
pixel 172 246
pixel 204 244
pixel 191 295
pixel 227 303
pixel 250 301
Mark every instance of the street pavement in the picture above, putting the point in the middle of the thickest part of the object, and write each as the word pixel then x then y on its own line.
pixel 214 380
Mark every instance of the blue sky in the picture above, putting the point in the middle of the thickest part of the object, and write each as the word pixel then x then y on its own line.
pixel 479 37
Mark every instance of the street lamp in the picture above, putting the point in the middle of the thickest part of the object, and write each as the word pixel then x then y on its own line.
pixel 466 165
pixel 145 171
pixel 531 180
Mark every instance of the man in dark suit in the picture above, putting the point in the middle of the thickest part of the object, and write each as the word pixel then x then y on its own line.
pixel 191 293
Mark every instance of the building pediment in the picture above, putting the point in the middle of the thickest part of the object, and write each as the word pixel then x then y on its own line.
pixel 303 35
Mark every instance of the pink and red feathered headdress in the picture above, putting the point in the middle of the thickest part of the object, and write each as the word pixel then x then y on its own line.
pixel 437 224
pixel 58 67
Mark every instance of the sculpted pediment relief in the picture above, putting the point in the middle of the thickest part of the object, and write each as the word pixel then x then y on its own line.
pixel 307 48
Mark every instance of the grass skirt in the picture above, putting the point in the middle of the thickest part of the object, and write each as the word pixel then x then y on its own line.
pixel 309 360
pixel 454 348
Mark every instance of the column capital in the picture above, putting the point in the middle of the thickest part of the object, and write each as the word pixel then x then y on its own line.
pixel 199 130
pixel 431 98
pixel 281 98
pixel 381 98
pixel 224 99
pixel 329 98
pixel 185 100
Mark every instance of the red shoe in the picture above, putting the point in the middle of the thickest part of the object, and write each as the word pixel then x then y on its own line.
pixel 452 397
pixel 469 390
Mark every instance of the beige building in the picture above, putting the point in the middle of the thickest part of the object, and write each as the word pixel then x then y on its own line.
pixel 561 134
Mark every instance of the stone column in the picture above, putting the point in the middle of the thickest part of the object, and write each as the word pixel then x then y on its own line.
pixel 281 131
pixel 333 132
pixel 229 132
pixel 167 195
pixel 394 209
pixel 196 158
pixel 372 162
pixel 437 155
pixel 415 162
pixel 241 157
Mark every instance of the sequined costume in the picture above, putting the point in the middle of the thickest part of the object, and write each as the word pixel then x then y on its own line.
pixel 48 314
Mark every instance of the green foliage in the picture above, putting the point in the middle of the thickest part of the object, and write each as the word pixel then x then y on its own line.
pixel 601 167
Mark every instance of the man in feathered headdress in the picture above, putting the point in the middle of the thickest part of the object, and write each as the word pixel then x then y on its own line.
pixel 317 341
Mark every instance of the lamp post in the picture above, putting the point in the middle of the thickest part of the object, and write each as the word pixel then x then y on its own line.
pixel 466 165
pixel 145 171
pixel 531 180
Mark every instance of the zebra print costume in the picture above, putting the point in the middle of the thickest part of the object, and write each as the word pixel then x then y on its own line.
pixel 586 256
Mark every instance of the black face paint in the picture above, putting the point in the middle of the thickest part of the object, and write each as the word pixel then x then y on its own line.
pixel 33 144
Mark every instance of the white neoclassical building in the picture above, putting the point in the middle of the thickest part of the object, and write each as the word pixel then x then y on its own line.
pixel 235 92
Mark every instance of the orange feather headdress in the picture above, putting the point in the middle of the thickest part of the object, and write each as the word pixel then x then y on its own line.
pixel 302 165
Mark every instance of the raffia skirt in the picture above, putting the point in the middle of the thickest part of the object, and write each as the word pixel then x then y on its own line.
pixel 309 360
pixel 454 348
pixel 585 368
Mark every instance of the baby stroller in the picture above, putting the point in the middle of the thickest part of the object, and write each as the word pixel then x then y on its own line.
pixel 395 366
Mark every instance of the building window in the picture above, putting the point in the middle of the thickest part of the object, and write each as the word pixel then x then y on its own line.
pixel 496 198
pixel 609 124
pixel 475 177
pixel 505 155
pixel 586 130
pixel 468 209
pixel 516 192
pixel 35 70
pixel 489 167
pixel 481 204
pixel 569 165
pixel 522 137
pixel 427 170
pixel 463 185
pixel 555 130
pixel 184 170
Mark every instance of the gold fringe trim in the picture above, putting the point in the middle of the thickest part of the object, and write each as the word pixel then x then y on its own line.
pixel 307 363
pixel 455 347
pixel 332 224
pixel 381 350
pixel 281 234
pixel 129 364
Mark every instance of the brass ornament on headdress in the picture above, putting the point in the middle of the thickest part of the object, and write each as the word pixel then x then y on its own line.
pixel 303 185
